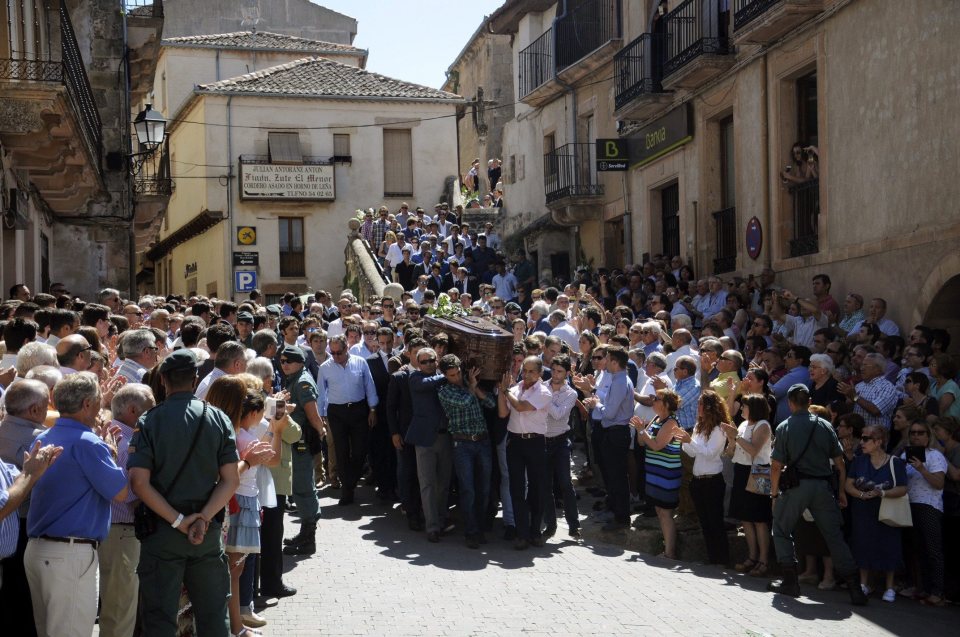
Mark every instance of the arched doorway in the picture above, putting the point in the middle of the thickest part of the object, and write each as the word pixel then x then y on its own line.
pixel 944 311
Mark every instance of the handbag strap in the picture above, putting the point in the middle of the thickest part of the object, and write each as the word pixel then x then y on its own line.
pixel 813 430
pixel 893 474
pixel 186 459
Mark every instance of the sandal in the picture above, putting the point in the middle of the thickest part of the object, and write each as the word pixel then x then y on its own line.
pixel 746 566
pixel 933 600
pixel 760 570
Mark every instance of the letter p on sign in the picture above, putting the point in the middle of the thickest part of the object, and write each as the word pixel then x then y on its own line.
pixel 245 280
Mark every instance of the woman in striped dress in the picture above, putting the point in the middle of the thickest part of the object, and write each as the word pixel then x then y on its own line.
pixel 662 464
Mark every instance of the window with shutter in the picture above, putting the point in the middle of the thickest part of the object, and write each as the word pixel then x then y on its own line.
pixel 284 148
pixel 292 261
pixel 397 163
pixel 341 148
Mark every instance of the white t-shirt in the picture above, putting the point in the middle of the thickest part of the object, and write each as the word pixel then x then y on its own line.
pixel 918 488
pixel 248 479
pixel 745 431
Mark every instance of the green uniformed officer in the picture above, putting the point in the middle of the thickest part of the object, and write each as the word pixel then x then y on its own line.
pixel 809 443
pixel 187 547
pixel 245 329
pixel 303 394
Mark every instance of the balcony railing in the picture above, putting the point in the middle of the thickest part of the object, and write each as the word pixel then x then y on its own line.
pixel 570 172
pixel 536 63
pixel 747 10
pixel 69 71
pixel 585 29
pixel 806 218
pixel 637 68
pixel 694 29
pixel 726 240
pixel 155 178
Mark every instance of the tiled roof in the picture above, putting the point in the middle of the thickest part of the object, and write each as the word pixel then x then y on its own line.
pixel 261 40
pixel 323 78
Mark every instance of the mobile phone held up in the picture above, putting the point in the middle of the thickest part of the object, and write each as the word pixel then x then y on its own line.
pixel 918 452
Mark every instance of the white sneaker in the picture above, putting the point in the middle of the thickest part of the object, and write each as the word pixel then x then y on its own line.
pixel 889 595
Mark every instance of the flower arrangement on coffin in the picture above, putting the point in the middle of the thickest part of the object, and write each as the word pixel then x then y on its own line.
pixel 446 308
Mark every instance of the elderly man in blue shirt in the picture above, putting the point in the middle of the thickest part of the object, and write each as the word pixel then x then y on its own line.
pixel 347 400
pixel 797 362
pixel 615 411
pixel 70 511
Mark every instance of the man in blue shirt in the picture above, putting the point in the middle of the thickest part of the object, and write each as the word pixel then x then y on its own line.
pixel 797 362
pixel 70 511
pixel 615 412
pixel 348 401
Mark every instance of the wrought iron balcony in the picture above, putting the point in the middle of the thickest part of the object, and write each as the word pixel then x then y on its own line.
pixel 53 126
pixel 806 218
pixel 763 21
pixel 144 24
pixel 637 72
pixel 155 181
pixel 569 172
pixel 725 244
pixel 587 36
pixel 536 64
pixel 697 43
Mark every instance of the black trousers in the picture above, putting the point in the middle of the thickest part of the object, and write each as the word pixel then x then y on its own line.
pixel 408 484
pixel 16 606
pixel 614 448
pixel 707 494
pixel 383 460
pixel 558 463
pixel 271 547
pixel 348 423
pixel 527 466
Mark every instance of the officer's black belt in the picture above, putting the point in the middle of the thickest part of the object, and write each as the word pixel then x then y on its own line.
pixel 348 405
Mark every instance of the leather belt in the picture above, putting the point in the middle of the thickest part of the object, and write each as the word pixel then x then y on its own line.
pixel 707 476
pixel 348 405
pixel 71 540
pixel 523 436
pixel 470 437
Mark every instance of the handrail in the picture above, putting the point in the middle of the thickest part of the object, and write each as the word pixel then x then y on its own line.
pixel 638 68
pixel 364 274
pixel 536 63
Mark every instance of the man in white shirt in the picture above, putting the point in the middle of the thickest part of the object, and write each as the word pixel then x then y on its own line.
pixel 504 283
pixel 526 404
pixel 564 330
pixel 681 347
pixel 876 314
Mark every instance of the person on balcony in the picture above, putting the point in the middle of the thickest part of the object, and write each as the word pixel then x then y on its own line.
pixel 804 166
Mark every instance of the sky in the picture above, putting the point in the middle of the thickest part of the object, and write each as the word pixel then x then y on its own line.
pixel 414 40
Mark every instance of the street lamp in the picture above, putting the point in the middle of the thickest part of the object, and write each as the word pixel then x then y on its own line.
pixel 150 127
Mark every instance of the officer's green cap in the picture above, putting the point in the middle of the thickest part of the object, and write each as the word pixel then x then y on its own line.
pixel 274 309
pixel 294 354
pixel 178 360
pixel 245 317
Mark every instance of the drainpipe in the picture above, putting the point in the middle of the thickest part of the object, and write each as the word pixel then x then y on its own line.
pixel 228 256
pixel 131 203
pixel 765 143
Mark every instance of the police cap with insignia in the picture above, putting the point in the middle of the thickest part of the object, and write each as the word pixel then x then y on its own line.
pixel 179 360
pixel 244 317
pixel 293 354
pixel 274 309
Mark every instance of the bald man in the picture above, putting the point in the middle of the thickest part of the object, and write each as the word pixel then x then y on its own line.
pixel 73 353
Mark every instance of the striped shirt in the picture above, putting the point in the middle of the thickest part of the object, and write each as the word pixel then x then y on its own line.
pixel 883 395
pixel 663 469
pixel 122 512
pixel 10 525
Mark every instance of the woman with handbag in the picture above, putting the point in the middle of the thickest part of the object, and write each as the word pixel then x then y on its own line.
pixel 708 486
pixel 926 472
pixel 873 478
pixel 750 445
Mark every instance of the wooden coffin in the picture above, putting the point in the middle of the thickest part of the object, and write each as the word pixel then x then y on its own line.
pixel 477 342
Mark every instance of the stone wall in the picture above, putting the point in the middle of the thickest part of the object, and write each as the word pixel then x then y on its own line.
pixel 291 17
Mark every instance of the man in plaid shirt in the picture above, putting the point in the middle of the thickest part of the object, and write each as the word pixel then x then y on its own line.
pixel 380 228
pixel 472 458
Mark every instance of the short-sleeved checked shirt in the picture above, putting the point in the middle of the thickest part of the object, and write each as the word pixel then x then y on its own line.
pixel 883 394
pixel 689 391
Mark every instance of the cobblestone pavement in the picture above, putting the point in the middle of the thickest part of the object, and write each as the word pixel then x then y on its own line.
pixel 373 576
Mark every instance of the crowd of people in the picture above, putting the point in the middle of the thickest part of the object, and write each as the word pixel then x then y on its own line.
pixel 157 444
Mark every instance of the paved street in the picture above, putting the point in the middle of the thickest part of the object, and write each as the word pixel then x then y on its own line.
pixel 372 576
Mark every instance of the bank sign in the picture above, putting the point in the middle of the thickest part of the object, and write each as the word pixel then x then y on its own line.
pixel 285 182
pixel 661 136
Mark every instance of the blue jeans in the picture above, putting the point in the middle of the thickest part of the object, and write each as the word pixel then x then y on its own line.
pixel 473 463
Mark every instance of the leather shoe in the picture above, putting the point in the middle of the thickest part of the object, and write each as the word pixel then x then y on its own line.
pixel 520 544
pixel 550 532
pixel 536 541
pixel 510 533
pixel 433 536
pixel 473 542
pixel 252 620
pixel 575 534
pixel 280 593
pixel 346 499
pixel 415 524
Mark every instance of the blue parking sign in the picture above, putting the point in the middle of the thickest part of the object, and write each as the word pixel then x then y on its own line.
pixel 245 280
